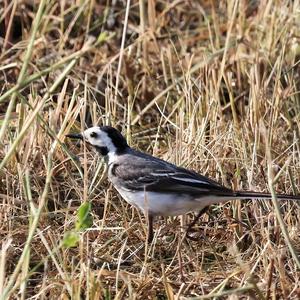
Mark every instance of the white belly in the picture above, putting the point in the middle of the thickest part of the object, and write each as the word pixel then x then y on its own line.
pixel 162 204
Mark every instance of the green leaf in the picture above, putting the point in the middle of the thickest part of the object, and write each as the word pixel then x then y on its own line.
pixel 71 239
pixel 103 36
pixel 84 217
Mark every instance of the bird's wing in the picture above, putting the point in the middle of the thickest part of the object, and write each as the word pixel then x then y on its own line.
pixel 159 176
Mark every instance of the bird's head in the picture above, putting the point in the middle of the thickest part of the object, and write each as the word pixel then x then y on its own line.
pixel 105 139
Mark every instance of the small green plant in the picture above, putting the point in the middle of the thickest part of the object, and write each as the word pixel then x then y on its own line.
pixel 84 221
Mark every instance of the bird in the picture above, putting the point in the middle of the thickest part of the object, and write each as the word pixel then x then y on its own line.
pixel 155 186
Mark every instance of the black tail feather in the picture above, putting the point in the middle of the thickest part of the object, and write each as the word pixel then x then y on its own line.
pixel 251 195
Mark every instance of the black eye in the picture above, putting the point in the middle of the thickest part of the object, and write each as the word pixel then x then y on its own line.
pixel 93 134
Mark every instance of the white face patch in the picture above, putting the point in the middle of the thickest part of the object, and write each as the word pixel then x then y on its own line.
pixel 98 138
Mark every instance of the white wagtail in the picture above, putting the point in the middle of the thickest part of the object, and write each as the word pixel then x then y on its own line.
pixel 157 187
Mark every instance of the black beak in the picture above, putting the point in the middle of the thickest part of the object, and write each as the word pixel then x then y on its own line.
pixel 75 136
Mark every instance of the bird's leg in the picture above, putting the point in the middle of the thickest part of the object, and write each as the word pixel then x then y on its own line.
pixel 150 228
pixel 191 225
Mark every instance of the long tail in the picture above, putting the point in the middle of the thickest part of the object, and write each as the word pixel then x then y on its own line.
pixel 251 195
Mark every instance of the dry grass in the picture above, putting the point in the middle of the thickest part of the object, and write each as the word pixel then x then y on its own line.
pixel 212 87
